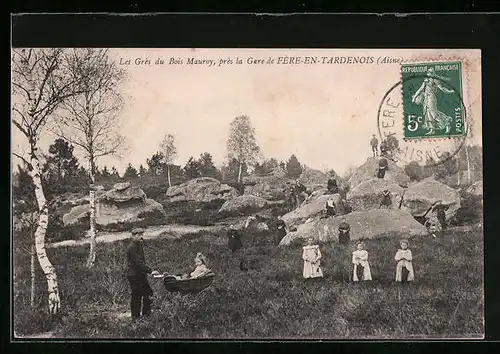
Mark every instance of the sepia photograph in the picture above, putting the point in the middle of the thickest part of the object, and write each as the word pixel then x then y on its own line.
pixel 246 194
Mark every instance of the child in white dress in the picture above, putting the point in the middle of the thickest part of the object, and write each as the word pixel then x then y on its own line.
pixel 311 256
pixel 404 268
pixel 361 266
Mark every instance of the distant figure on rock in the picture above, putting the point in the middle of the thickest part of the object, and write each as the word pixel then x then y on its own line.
pixel 404 268
pixel 361 266
pixel 332 186
pixel 234 239
pixel 344 232
pixel 330 208
pixel 383 164
pixel 374 145
pixel 386 201
pixel 384 148
pixel 312 258
pixel 281 230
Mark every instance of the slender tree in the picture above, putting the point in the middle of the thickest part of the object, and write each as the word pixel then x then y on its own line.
pixel 41 82
pixel 169 151
pixel 90 120
pixel 242 145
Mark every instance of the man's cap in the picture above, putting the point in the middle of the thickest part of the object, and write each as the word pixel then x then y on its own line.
pixel 137 231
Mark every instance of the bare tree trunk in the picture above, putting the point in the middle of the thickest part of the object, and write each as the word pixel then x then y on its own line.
pixel 168 177
pixel 43 220
pixel 33 275
pixel 239 172
pixel 93 222
pixel 468 165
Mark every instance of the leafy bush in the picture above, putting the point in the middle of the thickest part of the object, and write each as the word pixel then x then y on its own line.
pixel 470 211
pixel 193 213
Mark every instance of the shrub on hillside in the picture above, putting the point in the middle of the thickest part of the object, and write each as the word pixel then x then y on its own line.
pixel 470 211
pixel 56 231
pixel 193 213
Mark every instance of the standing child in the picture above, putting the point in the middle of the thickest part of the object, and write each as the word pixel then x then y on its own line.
pixel 311 256
pixel 404 268
pixel 361 265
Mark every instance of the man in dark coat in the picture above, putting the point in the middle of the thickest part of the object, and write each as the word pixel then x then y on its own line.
pixel 344 232
pixel 137 272
pixel 374 145
pixel 234 239
pixel 382 167
pixel 386 201
pixel 281 230
pixel 441 215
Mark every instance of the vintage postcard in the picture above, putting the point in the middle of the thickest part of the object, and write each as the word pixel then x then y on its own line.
pixel 247 194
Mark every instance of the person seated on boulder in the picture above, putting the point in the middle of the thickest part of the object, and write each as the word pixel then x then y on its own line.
pixel 382 167
pixel 360 261
pixel 344 232
pixel 332 186
pixel 386 201
pixel 234 239
pixel 201 268
pixel 330 208
pixel 281 230
pixel 404 267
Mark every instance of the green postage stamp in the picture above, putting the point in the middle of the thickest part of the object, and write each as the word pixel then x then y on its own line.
pixel 432 100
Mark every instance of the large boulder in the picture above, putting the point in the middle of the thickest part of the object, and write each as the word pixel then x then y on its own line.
pixel 246 204
pixel 123 193
pixel 368 195
pixel 367 171
pixel 313 179
pixel 419 198
pixel 313 208
pixel 122 204
pixel 203 189
pixel 268 187
pixel 364 225
pixel 476 189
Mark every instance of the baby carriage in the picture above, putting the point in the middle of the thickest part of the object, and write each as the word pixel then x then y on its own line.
pixel 186 285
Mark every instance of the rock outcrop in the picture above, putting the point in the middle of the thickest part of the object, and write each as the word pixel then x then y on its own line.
pixel 368 195
pixel 203 189
pixel 364 225
pixel 313 207
pixel 245 204
pixel 421 196
pixel 313 179
pixel 268 187
pixel 367 171
pixel 122 204
pixel 476 189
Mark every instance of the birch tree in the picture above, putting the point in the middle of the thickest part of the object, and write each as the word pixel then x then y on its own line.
pixel 169 151
pixel 242 145
pixel 41 82
pixel 90 119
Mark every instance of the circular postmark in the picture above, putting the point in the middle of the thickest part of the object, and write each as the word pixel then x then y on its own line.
pixel 422 119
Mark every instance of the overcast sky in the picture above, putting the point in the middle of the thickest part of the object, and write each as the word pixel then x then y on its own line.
pixel 325 114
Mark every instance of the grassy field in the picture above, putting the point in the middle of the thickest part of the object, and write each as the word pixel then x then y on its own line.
pixel 272 300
